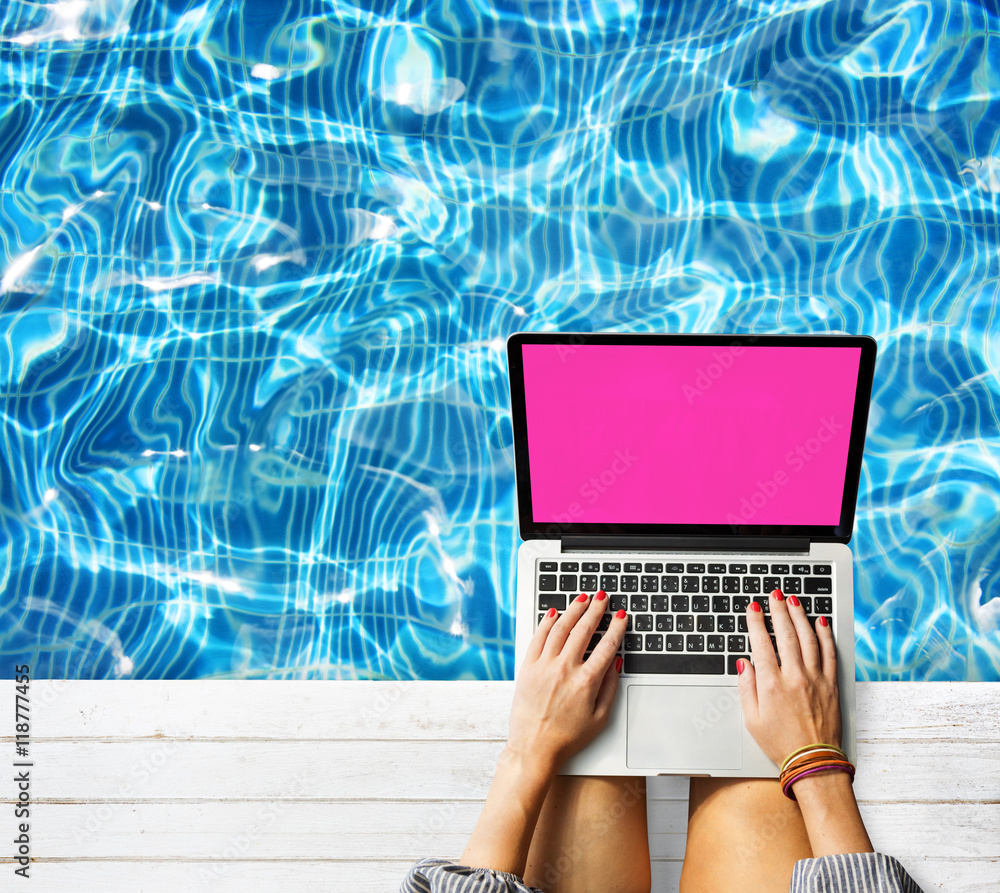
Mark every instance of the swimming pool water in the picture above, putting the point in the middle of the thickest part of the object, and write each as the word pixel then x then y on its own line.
pixel 260 259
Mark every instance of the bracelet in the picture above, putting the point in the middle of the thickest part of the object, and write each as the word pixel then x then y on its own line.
pixel 810 760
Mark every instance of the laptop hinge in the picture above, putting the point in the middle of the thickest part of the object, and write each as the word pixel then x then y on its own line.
pixel 687 543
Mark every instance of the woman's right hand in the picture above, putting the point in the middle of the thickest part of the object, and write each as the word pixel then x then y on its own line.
pixel 798 703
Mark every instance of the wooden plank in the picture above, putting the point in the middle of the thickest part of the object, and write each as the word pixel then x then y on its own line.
pixel 426 770
pixel 405 710
pixel 368 831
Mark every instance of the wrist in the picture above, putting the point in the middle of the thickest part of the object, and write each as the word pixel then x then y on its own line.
pixel 529 770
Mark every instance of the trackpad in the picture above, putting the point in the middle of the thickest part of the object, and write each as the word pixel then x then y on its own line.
pixel 689 727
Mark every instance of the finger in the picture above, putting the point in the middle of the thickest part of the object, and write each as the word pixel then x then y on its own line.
pixel 564 625
pixel 807 638
pixel 606 693
pixel 786 636
pixel 764 659
pixel 579 637
pixel 747 685
pixel 607 648
pixel 827 650
pixel 537 642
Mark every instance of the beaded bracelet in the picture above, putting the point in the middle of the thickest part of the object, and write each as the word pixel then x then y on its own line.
pixel 810 760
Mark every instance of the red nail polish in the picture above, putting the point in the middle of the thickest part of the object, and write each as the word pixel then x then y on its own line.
pixel 618 664
pixel 582 597
pixel 778 597
pixel 601 595
pixel 621 614
pixel 823 622
pixel 755 607
pixel 792 600
pixel 552 612
pixel 741 665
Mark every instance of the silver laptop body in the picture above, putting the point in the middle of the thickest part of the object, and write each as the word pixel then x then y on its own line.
pixel 686 723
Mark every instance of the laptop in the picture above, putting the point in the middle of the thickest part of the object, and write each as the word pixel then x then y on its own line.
pixel 685 475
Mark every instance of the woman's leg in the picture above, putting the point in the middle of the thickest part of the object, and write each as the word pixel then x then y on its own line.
pixel 743 834
pixel 591 835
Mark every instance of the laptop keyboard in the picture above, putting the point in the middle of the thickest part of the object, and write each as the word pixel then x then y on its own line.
pixel 685 617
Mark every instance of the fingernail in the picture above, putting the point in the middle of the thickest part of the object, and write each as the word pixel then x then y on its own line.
pixel 755 607
pixel 741 665
pixel 778 597
pixel 601 595
pixel 618 664
pixel 823 622
pixel 621 614
pixel 552 612
pixel 792 600
pixel 582 597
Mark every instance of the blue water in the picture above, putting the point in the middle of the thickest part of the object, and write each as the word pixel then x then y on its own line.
pixel 259 261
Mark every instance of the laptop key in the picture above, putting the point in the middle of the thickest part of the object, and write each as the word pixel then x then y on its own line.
pixel 733 658
pixel 772 583
pixel 807 604
pixel 710 584
pixel 633 567
pixel 605 622
pixel 715 643
pixel 716 568
pixel 758 568
pixel 801 569
pixel 630 584
pixel 818 586
pixel 736 643
pixel 675 568
pixel 779 569
pixel 740 603
pixel 639 603
pixel 706 623
pixel 588 582
pixel 673 643
pixel 824 605
pixel 653 567
pixel 751 584
pixel 567 582
pixel 695 643
pixel 552 600
pixel 822 569
pixel 726 623
pixel 664 623
pixel 660 603
pixel 793 586
pixel 617 603
pixel 685 623
pixel 570 567
pixel 643 623
pixel 548 566
pixel 649 584
pixel 737 568
pixel 690 584
pixel 633 642
pixel 741 623
pixel 679 603
pixel 547 582
pixel 612 567
pixel 676 664
pixel 731 584
pixel 609 583
pixel 591 567
pixel 654 642
pixel 699 603
pixel 670 584
pixel 720 604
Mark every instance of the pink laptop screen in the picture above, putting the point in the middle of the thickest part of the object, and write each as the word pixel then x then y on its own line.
pixel 682 434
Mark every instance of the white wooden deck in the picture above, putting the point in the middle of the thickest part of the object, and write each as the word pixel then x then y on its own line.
pixel 339 786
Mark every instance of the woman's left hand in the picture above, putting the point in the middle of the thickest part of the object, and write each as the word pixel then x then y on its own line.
pixel 561 701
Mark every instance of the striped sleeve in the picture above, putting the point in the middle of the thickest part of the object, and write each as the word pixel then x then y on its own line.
pixel 852 873
pixel 442 876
